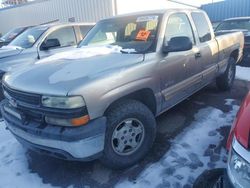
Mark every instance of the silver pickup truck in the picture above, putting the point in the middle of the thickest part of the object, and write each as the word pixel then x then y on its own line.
pixel 101 99
pixel 39 42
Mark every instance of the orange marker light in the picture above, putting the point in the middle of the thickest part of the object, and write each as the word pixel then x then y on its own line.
pixel 80 121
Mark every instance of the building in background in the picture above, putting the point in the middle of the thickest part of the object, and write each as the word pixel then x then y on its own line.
pixel 219 11
pixel 14 2
pixel 46 11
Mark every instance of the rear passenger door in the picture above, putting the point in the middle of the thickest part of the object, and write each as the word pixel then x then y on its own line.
pixel 65 36
pixel 207 56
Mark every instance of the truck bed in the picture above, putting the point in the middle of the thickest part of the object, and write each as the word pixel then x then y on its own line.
pixel 229 40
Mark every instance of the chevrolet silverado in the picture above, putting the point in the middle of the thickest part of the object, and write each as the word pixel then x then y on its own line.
pixel 100 101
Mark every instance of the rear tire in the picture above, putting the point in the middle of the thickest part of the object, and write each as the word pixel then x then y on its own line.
pixel 131 130
pixel 225 81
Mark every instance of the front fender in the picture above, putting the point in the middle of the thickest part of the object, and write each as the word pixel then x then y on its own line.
pixel 97 106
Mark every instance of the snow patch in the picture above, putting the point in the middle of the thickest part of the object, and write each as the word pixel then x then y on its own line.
pixel 180 166
pixel 9 47
pixel 85 52
pixel 189 155
pixel 243 73
pixel 72 71
pixel 129 51
pixel 13 164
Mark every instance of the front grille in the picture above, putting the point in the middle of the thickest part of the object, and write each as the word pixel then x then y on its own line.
pixel 32 99
pixel 30 106
pixel 25 99
pixel 32 114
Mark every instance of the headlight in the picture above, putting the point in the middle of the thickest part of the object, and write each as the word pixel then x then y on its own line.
pixel 239 170
pixel 63 102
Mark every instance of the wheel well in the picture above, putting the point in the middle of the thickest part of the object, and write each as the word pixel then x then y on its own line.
pixel 145 96
pixel 235 54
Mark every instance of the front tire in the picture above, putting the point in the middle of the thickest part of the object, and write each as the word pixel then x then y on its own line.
pixel 226 80
pixel 131 130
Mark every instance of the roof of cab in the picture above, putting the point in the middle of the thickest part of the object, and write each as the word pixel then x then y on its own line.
pixel 160 11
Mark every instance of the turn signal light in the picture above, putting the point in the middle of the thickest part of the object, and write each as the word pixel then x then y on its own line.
pixel 80 121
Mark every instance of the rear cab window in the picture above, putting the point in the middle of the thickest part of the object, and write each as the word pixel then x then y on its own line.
pixel 202 26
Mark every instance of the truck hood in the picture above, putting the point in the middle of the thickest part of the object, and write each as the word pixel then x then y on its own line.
pixel 58 74
pixel 7 51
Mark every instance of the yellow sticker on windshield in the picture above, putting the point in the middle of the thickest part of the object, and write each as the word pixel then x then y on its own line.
pixel 143 35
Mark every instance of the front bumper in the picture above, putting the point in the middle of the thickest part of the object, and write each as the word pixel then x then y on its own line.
pixel 82 143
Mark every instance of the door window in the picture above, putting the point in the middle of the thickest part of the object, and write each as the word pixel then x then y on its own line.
pixel 179 26
pixel 65 36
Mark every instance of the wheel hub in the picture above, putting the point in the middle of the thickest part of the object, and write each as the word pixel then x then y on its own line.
pixel 128 136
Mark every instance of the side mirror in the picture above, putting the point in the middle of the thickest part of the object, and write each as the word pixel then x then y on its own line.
pixel 50 43
pixel 178 44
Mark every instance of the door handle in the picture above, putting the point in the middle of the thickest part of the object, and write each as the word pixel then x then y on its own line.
pixel 197 55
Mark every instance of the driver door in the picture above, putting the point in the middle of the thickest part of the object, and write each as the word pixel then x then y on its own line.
pixel 66 40
pixel 175 66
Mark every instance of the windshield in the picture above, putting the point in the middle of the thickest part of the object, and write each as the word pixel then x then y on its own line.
pixel 234 24
pixel 135 34
pixel 28 38
pixel 12 34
